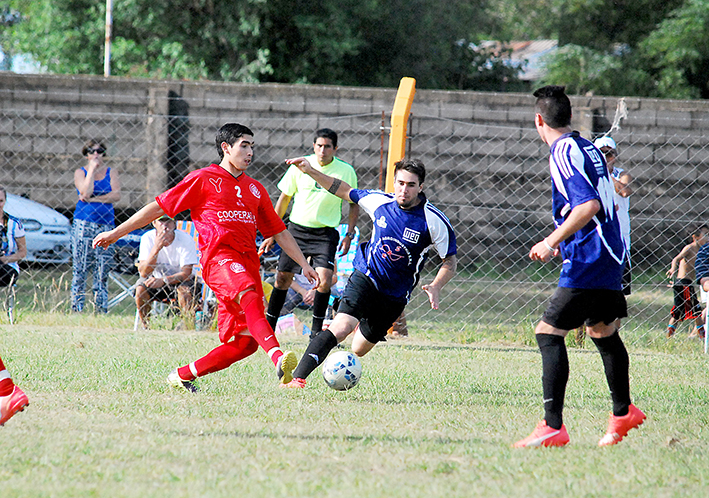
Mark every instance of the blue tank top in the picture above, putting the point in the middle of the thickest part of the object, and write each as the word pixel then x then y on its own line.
pixel 97 212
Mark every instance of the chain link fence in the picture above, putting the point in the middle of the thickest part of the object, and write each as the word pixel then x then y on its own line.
pixel 492 181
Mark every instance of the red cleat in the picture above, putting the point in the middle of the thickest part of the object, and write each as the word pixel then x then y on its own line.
pixel 296 383
pixel 12 404
pixel 618 427
pixel 543 435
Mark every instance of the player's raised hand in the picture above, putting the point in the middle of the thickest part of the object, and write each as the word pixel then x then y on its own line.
pixel 104 239
pixel 433 294
pixel 300 162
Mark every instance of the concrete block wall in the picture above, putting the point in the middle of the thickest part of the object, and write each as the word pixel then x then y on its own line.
pixel 488 166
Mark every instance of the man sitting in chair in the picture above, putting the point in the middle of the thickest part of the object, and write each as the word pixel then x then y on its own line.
pixel 165 263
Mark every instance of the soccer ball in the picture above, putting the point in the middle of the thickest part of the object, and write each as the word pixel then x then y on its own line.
pixel 342 370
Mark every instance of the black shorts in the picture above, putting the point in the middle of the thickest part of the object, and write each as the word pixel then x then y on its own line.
pixel 686 305
pixel 570 308
pixel 375 311
pixel 317 244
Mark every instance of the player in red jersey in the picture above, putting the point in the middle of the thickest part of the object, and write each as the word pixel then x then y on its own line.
pixel 227 207
pixel 12 399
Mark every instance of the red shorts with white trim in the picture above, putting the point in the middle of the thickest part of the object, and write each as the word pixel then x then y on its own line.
pixel 228 274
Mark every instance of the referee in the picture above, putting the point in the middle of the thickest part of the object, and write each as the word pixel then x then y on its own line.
pixel 314 218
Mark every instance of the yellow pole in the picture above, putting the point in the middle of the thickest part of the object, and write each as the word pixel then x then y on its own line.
pixel 399 121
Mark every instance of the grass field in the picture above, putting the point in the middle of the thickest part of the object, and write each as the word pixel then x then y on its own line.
pixel 431 417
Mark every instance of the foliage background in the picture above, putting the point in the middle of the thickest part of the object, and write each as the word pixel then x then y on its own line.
pixel 650 48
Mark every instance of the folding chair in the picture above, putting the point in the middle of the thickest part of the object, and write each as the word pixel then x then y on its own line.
pixel 345 263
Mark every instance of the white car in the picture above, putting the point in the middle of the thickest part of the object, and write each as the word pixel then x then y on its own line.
pixel 47 232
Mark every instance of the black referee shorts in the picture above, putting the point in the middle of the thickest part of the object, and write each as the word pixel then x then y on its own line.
pixel 318 244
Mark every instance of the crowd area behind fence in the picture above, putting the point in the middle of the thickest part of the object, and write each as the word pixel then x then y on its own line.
pixel 487 171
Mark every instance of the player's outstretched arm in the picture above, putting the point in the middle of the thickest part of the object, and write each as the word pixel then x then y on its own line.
pixel 445 273
pixel 145 216
pixel 290 246
pixel 333 185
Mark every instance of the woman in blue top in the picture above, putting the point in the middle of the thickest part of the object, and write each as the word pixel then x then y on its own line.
pixel 98 187
pixel 13 247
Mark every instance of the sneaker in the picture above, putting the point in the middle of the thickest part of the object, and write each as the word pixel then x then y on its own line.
pixel 670 332
pixel 174 380
pixel 296 383
pixel 286 365
pixel 618 427
pixel 543 435
pixel 11 404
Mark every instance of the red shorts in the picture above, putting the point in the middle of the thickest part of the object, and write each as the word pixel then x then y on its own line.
pixel 228 274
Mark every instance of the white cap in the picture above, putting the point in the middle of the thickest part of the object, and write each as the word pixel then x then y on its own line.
pixel 605 142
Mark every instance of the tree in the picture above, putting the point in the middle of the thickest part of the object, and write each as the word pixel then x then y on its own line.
pixel 678 52
pixel 343 42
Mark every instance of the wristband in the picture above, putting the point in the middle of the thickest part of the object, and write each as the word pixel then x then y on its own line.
pixel 551 249
pixel 350 235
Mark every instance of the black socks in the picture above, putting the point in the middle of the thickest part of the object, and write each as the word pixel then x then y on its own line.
pixel 316 353
pixel 555 375
pixel 616 364
pixel 320 303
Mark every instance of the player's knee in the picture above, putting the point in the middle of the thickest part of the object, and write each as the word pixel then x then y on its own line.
pixel 283 280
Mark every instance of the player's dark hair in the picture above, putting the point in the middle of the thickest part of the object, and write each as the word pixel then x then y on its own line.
pixel 698 230
pixel 326 133
pixel 554 106
pixel 230 133
pixel 414 166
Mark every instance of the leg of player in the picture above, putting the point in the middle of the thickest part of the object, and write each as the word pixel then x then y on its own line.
pixel 12 399
pixel 555 374
pixel 217 359
pixel 625 415
pixel 360 345
pixel 320 347
pixel 321 301
pixel 252 304
pixel 278 296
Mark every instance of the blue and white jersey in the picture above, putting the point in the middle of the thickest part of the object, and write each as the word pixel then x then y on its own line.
pixel 9 234
pixel 593 256
pixel 401 238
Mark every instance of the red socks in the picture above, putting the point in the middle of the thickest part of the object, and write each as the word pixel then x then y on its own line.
pixel 6 384
pixel 252 304
pixel 219 358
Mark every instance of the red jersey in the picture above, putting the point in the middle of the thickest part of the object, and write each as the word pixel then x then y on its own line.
pixel 226 211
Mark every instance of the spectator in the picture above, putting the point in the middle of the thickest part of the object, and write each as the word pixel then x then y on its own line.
pixel 621 180
pixel 686 306
pixel 165 262
pixel 98 187
pixel 13 246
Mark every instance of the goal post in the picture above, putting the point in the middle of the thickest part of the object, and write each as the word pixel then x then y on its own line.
pixel 399 121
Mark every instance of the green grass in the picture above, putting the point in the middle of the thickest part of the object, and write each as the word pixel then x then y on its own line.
pixel 434 415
